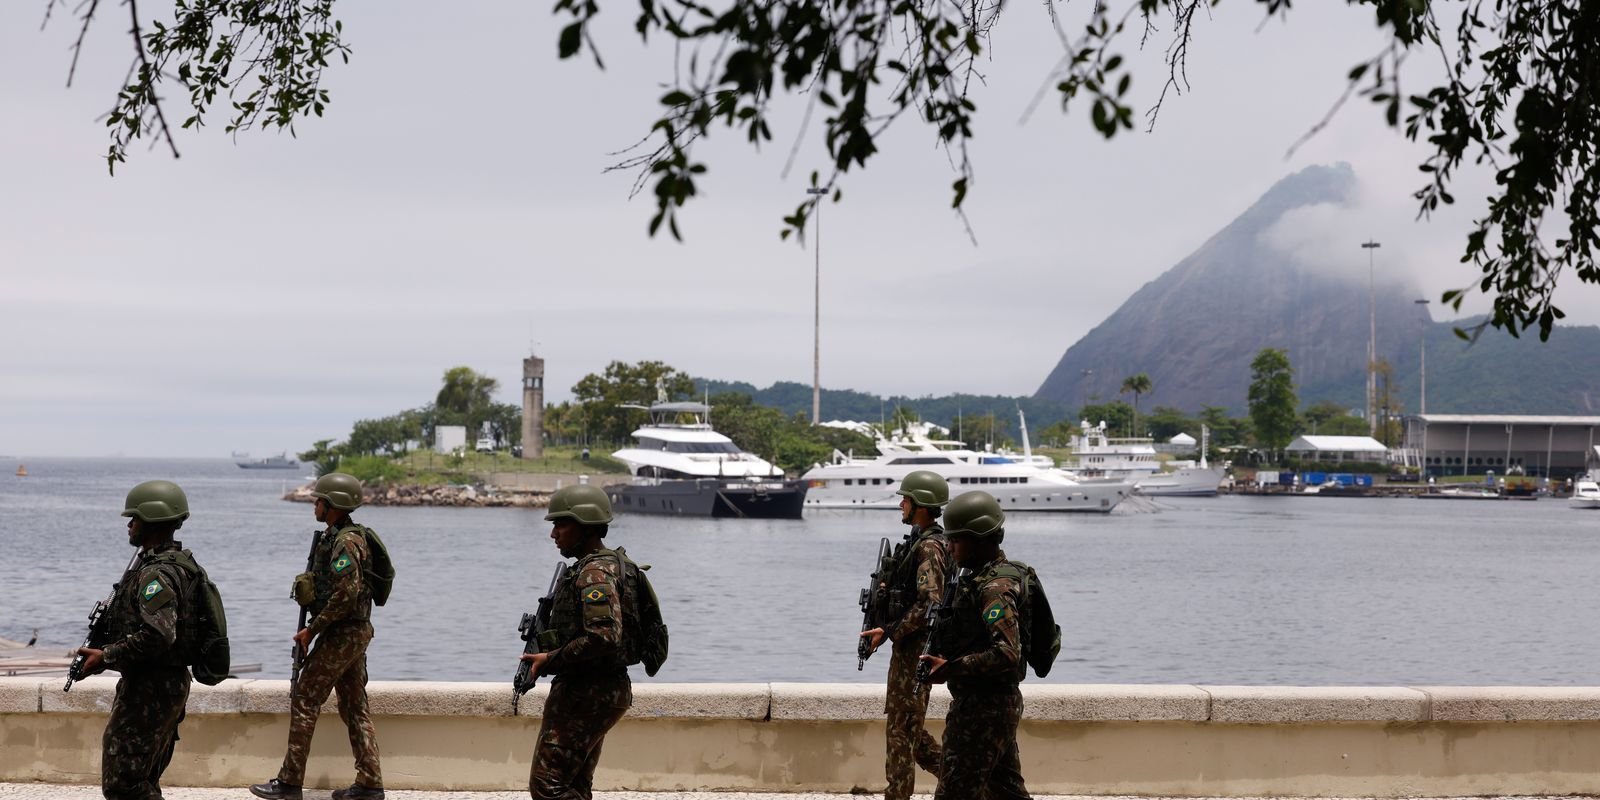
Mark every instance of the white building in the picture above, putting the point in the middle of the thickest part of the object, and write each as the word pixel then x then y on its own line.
pixel 449 438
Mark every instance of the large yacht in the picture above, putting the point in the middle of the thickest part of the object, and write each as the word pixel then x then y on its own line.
pixel 1134 459
pixel 1019 482
pixel 682 467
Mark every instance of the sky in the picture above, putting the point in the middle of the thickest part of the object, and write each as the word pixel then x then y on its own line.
pixel 453 208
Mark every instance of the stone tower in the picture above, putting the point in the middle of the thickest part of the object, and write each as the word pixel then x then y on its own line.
pixel 532 407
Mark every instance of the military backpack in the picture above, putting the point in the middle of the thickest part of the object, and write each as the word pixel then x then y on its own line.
pixel 377 572
pixel 1041 636
pixel 203 624
pixel 644 634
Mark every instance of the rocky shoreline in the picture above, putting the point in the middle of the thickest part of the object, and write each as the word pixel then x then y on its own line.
pixel 403 494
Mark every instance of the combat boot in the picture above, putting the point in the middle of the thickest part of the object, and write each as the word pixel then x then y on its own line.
pixel 276 790
pixel 358 792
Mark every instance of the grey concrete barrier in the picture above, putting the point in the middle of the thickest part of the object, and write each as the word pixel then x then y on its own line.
pixel 1157 740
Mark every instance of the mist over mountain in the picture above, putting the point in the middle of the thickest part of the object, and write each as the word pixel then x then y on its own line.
pixel 1277 276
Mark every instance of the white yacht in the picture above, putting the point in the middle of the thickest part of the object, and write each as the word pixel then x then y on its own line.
pixel 1586 492
pixel 681 466
pixel 1134 459
pixel 1019 482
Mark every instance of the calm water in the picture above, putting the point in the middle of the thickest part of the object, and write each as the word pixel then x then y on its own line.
pixel 1224 590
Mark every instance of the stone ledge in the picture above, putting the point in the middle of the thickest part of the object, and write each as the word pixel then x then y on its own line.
pixel 1314 704
pixel 1513 703
pixel 1115 702
pixel 21 695
pixel 863 702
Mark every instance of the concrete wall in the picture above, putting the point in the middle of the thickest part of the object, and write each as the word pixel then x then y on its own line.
pixel 1150 740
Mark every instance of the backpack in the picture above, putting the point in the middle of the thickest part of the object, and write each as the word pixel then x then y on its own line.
pixel 203 627
pixel 644 634
pixel 378 570
pixel 1041 636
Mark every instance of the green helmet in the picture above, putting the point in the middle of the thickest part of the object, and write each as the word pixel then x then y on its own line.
pixel 341 490
pixel 156 501
pixel 584 503
pixel 974 514
pixel 925 488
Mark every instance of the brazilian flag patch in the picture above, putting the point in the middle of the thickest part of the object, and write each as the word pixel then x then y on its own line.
pixel 152 589
pixel 595 594
pixel 995 612
pixel 341 564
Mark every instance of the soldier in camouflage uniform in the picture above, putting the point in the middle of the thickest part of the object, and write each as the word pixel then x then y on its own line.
pixel 142 630
pixel 341 622
pixel 918 577
pixel 590 690
pixel 981 659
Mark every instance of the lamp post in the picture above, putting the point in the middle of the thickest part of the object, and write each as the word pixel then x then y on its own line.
pixel 1422 412
pixel 816 311
pixel 1372 337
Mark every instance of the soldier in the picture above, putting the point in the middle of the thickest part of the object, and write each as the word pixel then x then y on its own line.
pixel 341 623
pixel 144 620
pixel 918 576
pixel 590 690
pixel 981 658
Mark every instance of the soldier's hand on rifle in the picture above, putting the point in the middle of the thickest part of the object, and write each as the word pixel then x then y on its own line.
pixel 935 668
pixel 536 662
pixel 877 635
pixel 93 661
pixel 303 638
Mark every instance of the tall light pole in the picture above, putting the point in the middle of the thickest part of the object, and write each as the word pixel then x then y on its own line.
pixel 816 318
pixel 1423 406
pixel 1372 339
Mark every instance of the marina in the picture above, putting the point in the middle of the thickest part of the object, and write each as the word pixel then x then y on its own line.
pixel 1235 589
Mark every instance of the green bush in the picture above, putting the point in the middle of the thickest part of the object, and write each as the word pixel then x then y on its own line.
pixel 372 469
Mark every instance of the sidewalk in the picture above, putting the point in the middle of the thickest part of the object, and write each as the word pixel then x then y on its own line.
pixel 50 791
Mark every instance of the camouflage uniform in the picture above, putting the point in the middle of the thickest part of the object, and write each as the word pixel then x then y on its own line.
pixel 986 664
pixel 590 690
pixel 143 729
pixel 922 572
pixel 342 624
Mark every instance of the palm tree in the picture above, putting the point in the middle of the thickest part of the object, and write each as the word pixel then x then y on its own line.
pixel 1137 385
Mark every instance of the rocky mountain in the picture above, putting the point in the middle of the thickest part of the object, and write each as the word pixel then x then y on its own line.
pixel 1195 329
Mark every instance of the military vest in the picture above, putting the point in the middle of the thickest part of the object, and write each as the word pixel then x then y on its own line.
pixel 644 634
pixel 903 577
pixel 966 632
pixel 322 573
pixel 124 616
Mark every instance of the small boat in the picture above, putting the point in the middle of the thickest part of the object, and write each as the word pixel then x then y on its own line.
pixel 1586 493
pixel 22 470
pixel 280 461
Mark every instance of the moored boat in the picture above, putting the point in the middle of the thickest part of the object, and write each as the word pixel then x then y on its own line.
pixel 681 466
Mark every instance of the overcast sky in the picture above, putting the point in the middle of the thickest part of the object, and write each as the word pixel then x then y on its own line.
pixel 451 208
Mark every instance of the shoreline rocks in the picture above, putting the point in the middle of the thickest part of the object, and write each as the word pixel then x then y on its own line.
pixel 450 495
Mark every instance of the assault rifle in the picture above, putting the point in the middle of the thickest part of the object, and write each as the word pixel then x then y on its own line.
pixel 874 602
pixel 298 653
pixel 531 626
pixel 938 616
pixel 97 629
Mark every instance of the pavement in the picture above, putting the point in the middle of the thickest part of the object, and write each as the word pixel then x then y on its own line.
pixel 52 791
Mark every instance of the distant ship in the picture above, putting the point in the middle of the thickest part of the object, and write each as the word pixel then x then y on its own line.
pixel 280 461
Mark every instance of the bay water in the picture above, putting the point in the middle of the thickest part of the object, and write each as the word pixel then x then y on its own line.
pixel 1225 590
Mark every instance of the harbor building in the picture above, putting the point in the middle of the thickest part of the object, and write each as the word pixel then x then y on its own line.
pixel 1538 445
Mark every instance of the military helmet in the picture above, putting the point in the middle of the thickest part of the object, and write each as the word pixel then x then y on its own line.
pixel 341 490
pixel 974 514
pixel 584 503
pixel 925 488
pixel 157 501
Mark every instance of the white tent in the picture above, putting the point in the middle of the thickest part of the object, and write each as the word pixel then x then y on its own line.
pixel 1338 448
